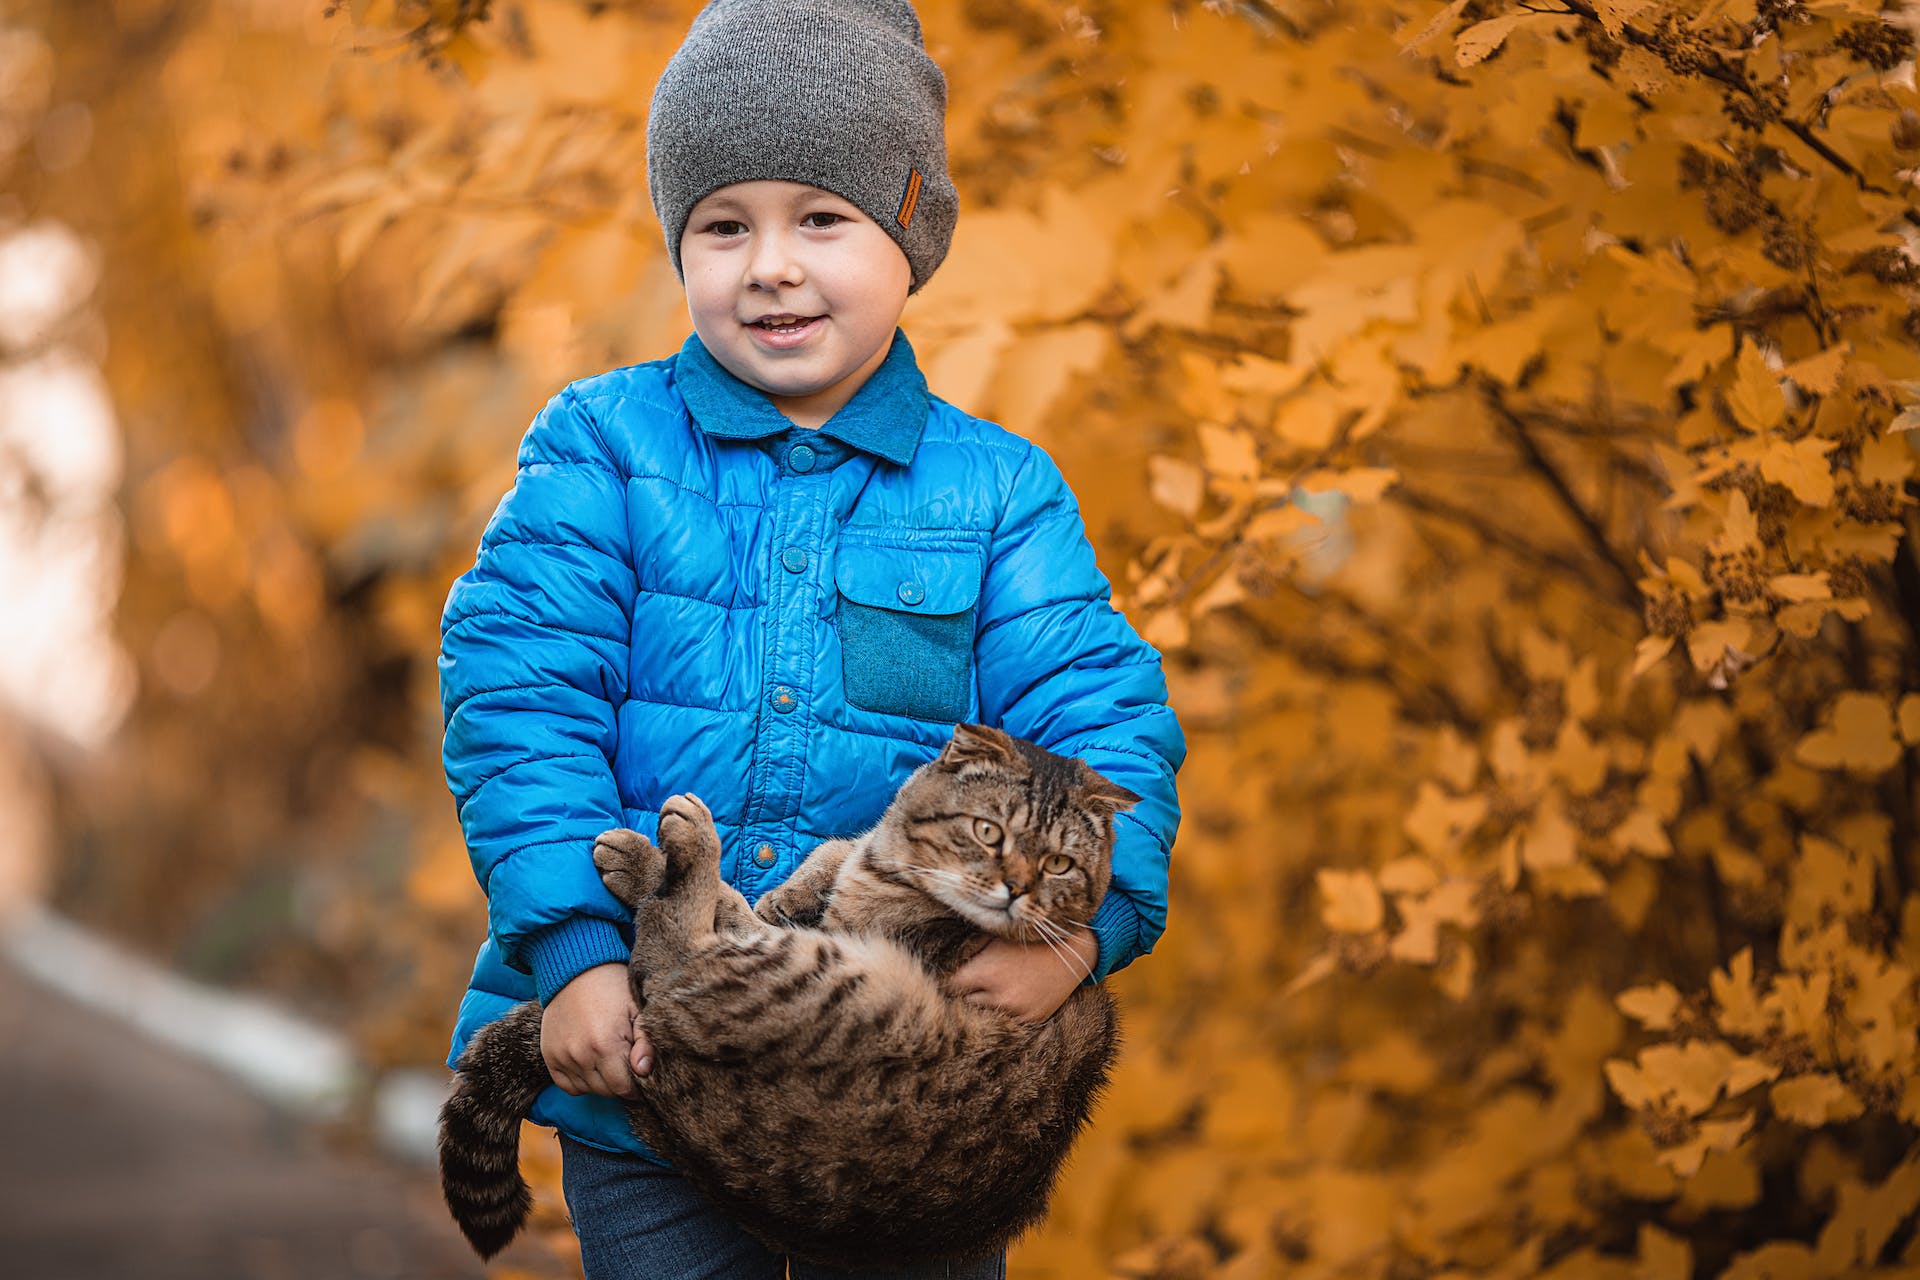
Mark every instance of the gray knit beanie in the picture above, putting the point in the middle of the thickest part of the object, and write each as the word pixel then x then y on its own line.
pixel 838 94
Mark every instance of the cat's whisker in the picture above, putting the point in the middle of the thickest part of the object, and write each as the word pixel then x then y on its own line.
pixel 1051 928
pixel 940 873
pixel 1045 930
pixel 964 883
pixel 1066 932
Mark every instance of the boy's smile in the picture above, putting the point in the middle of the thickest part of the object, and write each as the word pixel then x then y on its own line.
pixel 794 291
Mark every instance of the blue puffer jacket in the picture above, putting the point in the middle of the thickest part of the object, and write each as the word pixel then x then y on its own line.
pixel 685 592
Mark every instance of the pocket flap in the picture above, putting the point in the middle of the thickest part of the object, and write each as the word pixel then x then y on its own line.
pixel 910 579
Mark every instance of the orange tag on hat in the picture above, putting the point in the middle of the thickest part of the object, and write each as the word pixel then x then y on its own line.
pixel 909 199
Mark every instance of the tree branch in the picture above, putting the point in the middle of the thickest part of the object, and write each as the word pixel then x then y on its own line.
pixel 1424 696
pixel 1596 536
pixel 1718 70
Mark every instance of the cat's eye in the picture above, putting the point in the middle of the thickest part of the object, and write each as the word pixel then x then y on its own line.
pixel 1056 864
pixel 987 831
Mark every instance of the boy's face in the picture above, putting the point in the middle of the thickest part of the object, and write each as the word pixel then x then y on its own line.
pixel 756 253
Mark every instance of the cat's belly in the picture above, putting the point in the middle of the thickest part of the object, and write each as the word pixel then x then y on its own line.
pixel 827 1083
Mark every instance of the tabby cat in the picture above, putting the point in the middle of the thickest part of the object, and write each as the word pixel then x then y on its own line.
pixel 811 1076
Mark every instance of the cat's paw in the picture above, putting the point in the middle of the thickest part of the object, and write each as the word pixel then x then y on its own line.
pixel 790 907
pixel 629 865
pixel 687 834
pixel 772 906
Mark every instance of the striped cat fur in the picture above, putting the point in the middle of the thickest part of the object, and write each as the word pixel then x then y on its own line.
pixel 811 1075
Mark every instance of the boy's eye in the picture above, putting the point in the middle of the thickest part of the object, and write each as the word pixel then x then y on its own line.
pixel 726 227
pixel 822 220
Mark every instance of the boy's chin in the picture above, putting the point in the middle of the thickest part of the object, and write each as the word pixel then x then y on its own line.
pixel 782 388
pixel 785 374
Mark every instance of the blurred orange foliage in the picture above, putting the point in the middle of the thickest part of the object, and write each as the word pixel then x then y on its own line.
pixel 1496 411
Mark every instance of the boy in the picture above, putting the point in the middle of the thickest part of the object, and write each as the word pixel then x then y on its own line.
pixel 773 571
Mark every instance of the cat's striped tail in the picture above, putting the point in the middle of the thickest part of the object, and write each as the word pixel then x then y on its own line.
pixel 499 1076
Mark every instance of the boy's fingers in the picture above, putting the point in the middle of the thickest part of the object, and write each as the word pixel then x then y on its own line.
pixel 613 1078
pixel 641 1056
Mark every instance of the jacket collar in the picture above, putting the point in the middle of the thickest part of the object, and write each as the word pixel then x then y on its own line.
pixel 885 416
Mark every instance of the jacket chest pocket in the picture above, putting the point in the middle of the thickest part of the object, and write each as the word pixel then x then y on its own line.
pixel 906 629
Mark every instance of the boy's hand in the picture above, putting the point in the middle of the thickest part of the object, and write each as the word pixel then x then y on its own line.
pixel 1027 979
pixel 590 1035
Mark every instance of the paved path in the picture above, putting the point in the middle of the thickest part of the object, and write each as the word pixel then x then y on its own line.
pixel 121 1159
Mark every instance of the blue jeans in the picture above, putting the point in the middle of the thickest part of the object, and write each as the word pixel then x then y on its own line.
pixel 639 1221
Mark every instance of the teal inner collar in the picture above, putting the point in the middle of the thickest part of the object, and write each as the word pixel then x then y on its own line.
pixel 885 416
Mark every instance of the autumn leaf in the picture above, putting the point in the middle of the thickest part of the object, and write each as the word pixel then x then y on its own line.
pixel 1859 737
pixel 1453 902
pixel 1274 523
pixel 1910 718
pixel 1755 395
pixel 1438 822
pixel 1652 1007
pixel 1686 1158
pixel 1801 466
pixel 1649 651
pixel 1691 1076
pixel 1709 643
pixel 1884 461
pixel 1434 25
pixel 1741 530
pixel 1478 41
pixel 1352 901
pixel 1176 484
pixel 1814 1100
pixel 1229 455
pixel 1411 874
pixel 1819 374
pixel 1581 762
pixel 1797 1003
pixel 1642 832
pixel 1740 1012
pixel 1801 586
pixel 1550 840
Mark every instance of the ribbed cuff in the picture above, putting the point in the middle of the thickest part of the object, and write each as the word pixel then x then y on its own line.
pixel 1116 927
pixel 562 952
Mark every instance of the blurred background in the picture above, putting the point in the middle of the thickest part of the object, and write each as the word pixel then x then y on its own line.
pixel 1497 413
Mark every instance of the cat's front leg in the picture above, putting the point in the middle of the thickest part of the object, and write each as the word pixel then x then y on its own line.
pixel 629 865
pixel 684 911
pixel 802 900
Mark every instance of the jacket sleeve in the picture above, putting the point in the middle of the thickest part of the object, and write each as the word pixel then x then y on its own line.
pixel 533 665
pixel 1061 668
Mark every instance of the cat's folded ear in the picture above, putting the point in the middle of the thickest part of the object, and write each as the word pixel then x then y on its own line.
pixel 978 744
pixel 1096 791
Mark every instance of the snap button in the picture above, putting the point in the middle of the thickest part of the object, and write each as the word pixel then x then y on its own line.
pixel 912 593
pixel 764 855
pixel 801 458
pixel 793 560
pixel 783 699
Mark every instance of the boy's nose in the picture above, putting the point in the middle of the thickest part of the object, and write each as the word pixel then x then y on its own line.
pixel 773 263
